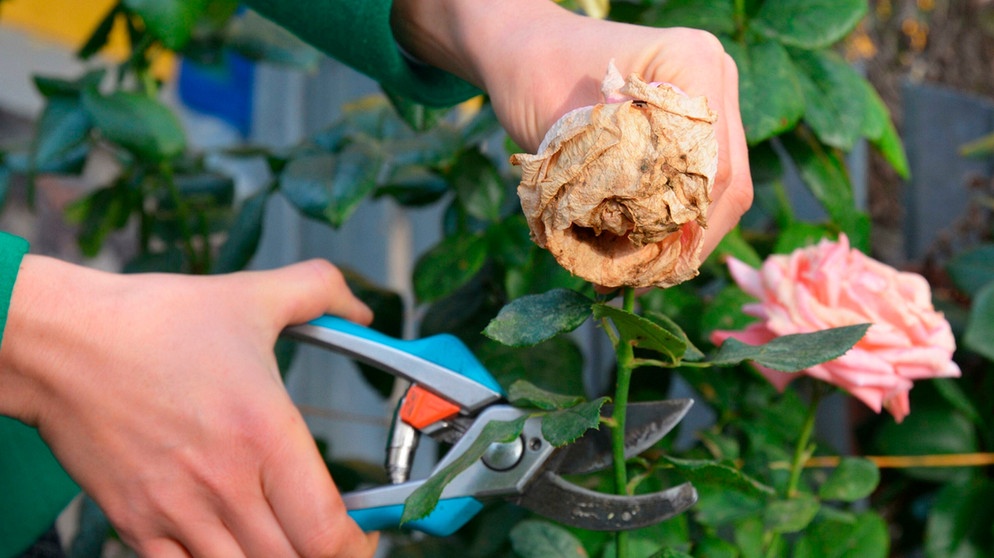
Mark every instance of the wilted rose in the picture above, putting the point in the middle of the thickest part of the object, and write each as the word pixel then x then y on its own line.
pixel 831 285
pixel 619 191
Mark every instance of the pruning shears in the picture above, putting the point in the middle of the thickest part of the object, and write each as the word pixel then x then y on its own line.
pixel 451 398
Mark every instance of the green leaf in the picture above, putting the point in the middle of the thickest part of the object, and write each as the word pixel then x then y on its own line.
pixel 540 539
pixel 725 310
pixel 960 522
pixel 799 234
pixel 53 86
pixel 973 269
pixel 692 353
pixel 721 475
pixel 713 547
pixel 770 95
pixel 414 186
pixel 137 123
pixel 792 353
pixel 673 553
pixel 556 364
pixel 853 479
pixel 98 38
pixel 538 274
pixel 791 516
pixel 716 16
pixel 418 116
pixel 865 536
pixel 330 187
pixel 750 536
pixel 566 425
pixel 642 332
pixel 523 393
pixel 170 21
pixel 879 129
pixel 980 325
pixel 532 319
pixel 243 235
pixel 834 97
pixel 479 187
pixel 931 429
pixel 422 501
pixel 733 244
pixel 953 394
pixel 809 24
pixel 64 127
pixel 99 214
pixel 448 266
pixel 824 173
pixel 717 506
pixel 510 242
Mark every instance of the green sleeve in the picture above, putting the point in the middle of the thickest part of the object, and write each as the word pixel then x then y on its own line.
pixel 33 487
pixel 12 250
pixel 358 34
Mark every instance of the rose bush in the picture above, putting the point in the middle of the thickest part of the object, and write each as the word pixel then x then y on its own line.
pixel 832 285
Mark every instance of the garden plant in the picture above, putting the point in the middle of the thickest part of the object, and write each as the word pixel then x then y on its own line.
pixel 784 315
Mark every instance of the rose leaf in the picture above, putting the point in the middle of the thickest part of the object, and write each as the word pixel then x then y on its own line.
pixel 532 319
pixel 792 353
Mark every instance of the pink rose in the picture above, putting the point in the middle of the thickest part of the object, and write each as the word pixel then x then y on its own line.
pixel 831 285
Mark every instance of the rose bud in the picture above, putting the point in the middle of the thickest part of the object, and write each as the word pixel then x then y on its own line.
pixel 619 191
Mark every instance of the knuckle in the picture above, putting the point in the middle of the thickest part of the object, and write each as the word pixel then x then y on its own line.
pixel 705 44
pixel 327 273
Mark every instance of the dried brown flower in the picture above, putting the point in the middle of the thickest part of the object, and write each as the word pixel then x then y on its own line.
pixel 619 191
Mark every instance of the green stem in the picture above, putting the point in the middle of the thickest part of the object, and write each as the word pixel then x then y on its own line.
pixel 740 20
pixel 625 355
pixel 801 454
pixel 801 451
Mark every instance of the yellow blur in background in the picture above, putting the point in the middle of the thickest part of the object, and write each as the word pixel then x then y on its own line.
pixel 70 23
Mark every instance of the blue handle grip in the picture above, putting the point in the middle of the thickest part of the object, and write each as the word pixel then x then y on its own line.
pixel 442 349
pixel 448 517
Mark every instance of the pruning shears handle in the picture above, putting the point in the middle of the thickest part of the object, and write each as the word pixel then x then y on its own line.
pixel 441 363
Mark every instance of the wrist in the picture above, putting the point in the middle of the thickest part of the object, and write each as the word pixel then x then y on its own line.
pixel 41 332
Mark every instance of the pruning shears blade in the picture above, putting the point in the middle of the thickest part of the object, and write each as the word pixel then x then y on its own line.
pixel 646 423
pixel 553 497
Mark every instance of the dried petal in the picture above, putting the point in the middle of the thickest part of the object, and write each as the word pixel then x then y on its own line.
pixel 619 192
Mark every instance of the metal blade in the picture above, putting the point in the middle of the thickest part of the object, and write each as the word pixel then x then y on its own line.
pixel 557 499
pixel 645 424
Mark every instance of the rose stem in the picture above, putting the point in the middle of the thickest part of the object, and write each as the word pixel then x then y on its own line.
pixel 801 454
pixel 625 354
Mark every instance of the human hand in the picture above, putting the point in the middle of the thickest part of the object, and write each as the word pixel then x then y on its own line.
pixel 538 61
pixel 161 397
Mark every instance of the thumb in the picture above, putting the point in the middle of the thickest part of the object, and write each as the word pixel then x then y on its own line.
pixel 306 290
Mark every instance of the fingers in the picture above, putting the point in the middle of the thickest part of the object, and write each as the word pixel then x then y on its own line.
pixel 732 194
pixel 316 525
pixel 167 548
pixel 305 290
